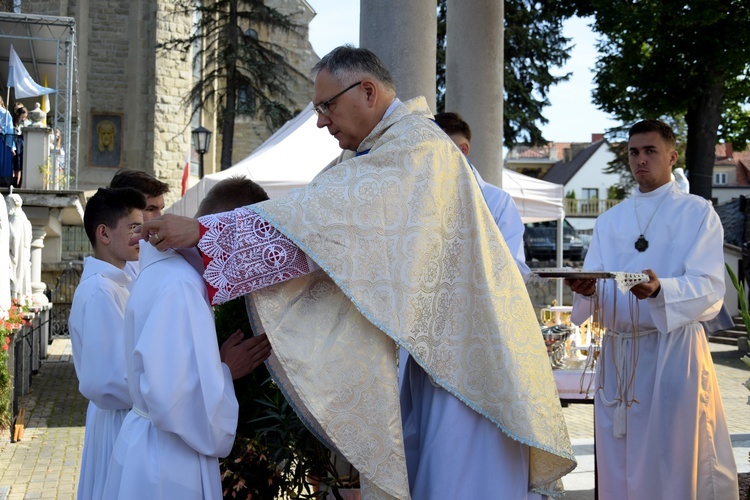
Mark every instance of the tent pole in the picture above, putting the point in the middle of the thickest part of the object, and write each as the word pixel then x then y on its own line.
pixel 559 283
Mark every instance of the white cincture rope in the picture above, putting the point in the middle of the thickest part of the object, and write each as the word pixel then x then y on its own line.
pixel 141 413
pixel 624 347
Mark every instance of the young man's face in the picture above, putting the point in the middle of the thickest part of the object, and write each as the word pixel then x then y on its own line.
pixel 651 160
pixel 154 207
pixel 120 235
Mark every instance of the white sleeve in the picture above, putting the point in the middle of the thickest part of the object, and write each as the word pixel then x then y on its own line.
pixel 508 220
pixel 698 294
pixel 593 262
pixel 100 366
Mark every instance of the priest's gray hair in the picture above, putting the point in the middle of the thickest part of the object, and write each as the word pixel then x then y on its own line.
pixel 347 62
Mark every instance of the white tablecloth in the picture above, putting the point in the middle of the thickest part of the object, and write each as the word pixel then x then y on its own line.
pixel 570 382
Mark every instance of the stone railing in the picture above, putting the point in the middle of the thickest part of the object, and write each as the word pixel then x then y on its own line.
pixel 587 208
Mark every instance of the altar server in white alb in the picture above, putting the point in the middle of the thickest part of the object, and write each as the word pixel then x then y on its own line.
pixel 660 425
pixel 185 411
pixel 96 322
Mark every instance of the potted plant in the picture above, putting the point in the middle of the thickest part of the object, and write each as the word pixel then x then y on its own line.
pixel 274 454
pixel 9 325
pixel 744 312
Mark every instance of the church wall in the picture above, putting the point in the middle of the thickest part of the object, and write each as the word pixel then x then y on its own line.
pixel 46 7
pixel 103 44
pixel 171 118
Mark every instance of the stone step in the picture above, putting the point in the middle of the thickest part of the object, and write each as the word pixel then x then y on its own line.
pixel 718 339
pixel 732 332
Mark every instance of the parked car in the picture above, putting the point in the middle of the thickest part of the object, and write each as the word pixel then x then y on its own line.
pixel 540 241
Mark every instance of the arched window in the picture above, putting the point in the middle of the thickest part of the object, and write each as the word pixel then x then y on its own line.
pixel 246 100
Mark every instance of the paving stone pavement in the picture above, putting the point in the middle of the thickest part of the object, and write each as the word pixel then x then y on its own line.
pixel 45 462
pixel 731 373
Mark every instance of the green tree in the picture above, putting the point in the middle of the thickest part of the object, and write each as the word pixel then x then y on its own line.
pixel 236 61
pixel 675 58
pixel 533 46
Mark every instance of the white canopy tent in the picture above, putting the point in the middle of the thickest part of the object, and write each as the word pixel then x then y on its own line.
pixel 295 154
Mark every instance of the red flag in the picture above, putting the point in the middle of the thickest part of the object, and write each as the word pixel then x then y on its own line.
pixel 185 176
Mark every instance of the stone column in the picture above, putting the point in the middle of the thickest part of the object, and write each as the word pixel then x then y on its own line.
pixel 474 79
pixel 44 334
pixel 38 297
pixel 404 36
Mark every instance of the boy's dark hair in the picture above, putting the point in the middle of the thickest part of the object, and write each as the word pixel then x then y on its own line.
pixel 137 179
pixel 229 194
pixel 17 112
pixel 453 124
pixel 646 126
pixel 108 206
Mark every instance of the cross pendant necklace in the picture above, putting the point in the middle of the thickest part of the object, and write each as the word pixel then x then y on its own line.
pixel 641 244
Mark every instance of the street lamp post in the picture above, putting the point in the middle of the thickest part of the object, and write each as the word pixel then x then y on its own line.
pixel 201 137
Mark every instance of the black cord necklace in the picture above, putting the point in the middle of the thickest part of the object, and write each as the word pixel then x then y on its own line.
pixel 641 244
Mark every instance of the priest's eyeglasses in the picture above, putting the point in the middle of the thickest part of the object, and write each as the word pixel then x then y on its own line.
pixel 322 108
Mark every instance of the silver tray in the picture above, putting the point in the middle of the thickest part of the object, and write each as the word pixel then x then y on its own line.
pixel 574 274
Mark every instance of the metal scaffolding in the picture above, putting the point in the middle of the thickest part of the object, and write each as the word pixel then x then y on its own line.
pixel 46 45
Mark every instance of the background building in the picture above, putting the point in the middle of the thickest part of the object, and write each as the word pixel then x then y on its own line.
pixel 136 92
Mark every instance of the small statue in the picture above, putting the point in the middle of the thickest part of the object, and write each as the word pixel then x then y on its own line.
pixel 20 249
pixel 4 257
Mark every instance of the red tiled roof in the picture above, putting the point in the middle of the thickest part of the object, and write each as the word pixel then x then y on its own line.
pixel 743 157
pixel 720 150
pixel 534 153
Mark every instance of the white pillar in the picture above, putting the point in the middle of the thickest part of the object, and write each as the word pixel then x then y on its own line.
pixel 37 169
pixel 474 79
pixel 38 234
pixel 404 36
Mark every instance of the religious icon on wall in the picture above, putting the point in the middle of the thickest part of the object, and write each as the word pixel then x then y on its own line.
pixel 106 140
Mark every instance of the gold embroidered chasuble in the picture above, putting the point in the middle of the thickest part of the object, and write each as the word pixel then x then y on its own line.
pixel 411 257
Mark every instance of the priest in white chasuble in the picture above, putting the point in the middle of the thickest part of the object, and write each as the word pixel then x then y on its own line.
pixel 392 245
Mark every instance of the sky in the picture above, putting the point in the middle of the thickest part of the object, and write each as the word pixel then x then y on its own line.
pixel 572 116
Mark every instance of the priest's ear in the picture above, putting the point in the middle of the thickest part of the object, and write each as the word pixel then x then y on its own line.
pixel 372 92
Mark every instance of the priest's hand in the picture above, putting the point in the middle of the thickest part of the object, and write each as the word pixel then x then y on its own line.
pixel 169 231
pixel 244 356
pixel 647 290
pixel 582 286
